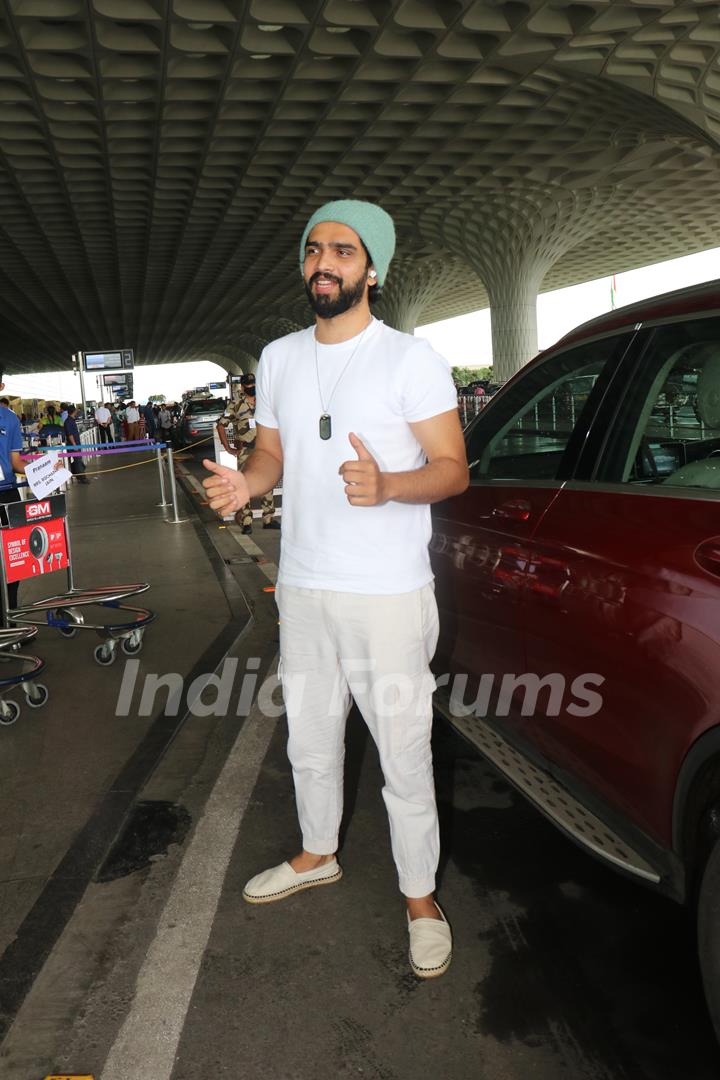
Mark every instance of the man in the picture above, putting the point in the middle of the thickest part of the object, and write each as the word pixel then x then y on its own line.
pixel 11 444
pixel 363 423
pixel 149 415
pixel 103 420
pixel 241 414
pixel 72 436
pixel 165 422
pixel 132 419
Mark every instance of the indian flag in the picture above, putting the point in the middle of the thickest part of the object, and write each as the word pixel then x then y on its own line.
pixel 613 292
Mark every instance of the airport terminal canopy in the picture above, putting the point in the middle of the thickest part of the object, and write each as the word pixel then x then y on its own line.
pixel 159 159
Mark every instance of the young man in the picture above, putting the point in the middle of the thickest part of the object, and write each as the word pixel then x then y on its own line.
pixel 241 414
pixel 357 609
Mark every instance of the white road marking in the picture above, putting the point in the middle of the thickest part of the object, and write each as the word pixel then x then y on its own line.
pixel 268 568
pixel 148 1040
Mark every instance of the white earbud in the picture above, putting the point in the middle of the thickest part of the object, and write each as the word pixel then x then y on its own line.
pixel 373 273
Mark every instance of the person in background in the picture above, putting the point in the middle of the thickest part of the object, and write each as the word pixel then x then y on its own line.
pixel 241 415
pixel 165 422
pixel 132 420
pixel 63 412
pixel 104 422
pixel 11 443
pixel 149 414
pixel 72 437
pixel 51 418
pixel 117 419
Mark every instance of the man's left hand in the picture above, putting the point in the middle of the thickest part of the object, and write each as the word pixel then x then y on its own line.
pixel 365 485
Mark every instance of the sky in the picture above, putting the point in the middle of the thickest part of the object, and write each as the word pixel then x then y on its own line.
pixel 465 341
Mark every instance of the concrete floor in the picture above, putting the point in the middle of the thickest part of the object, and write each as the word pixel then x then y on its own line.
pixel 562 969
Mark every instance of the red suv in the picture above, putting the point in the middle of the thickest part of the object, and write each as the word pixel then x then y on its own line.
pixel 578 580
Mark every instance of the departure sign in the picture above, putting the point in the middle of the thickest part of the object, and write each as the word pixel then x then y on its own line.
pixel 116 360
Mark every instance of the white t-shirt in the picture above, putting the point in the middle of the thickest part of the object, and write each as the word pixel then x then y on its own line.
pixel 391 380
pixel 102 415
pixel 132 415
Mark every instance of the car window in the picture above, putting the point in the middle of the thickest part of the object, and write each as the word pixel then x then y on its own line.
pixel 668 429
pixel 207 405
pixel 530 431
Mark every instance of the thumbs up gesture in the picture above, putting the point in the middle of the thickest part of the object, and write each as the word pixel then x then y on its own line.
pixel 364 483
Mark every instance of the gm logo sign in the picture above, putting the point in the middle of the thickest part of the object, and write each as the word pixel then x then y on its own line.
pixel 38 509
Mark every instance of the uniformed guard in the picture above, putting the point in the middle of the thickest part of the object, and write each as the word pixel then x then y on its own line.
pixel 241 414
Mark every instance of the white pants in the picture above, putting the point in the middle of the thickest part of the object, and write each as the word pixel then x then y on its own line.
pixel 377 649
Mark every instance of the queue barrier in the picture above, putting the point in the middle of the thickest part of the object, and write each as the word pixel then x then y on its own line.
pixel 35 541
pixel 132 447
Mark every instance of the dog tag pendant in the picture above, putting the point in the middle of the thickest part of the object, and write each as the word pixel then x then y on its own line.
pixel 325 426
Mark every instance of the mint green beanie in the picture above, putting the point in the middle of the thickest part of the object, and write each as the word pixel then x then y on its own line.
pixel 373 225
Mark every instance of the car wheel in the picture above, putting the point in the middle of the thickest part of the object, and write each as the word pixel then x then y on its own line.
pixel 708 929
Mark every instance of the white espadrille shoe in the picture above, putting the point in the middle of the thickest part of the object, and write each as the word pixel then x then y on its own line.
pixel 430 946
pixel 281 881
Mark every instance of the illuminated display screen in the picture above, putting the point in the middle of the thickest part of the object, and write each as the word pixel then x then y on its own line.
pixel 108 361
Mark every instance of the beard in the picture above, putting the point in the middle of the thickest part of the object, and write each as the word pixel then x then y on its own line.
pixel 326 306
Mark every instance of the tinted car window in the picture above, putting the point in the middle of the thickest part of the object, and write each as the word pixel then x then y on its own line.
pixel 530 431
pixel 668 426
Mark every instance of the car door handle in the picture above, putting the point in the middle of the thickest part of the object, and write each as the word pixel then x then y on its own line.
pixel 708 556
pixel 515 510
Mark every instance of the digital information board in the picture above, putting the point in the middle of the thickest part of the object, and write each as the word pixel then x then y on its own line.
pixel 116 360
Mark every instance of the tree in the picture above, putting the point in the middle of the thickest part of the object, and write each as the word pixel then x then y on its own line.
pixel 465 375
pixel 157 397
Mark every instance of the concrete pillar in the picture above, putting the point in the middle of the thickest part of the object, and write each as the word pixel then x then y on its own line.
pixel 517 235
pixel 412 283
pixel 513 292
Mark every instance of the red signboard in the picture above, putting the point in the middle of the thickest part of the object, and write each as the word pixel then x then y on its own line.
pixel 31 550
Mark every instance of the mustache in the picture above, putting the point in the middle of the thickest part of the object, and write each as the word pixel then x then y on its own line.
pixel 327 277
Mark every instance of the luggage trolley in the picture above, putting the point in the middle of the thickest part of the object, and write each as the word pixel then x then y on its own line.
pixel 36 694
pixel 34 541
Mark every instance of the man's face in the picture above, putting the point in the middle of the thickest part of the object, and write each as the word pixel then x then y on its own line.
pixel 335 269
pixel 249 390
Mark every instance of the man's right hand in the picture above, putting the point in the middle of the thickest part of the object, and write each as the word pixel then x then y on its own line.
pixel 227 489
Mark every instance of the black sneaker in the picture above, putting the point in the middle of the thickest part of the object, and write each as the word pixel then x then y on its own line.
pixel 246 530
pixel 271 525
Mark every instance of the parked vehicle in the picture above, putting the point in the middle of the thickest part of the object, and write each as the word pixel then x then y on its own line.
pixel 578 580
pixel 197 420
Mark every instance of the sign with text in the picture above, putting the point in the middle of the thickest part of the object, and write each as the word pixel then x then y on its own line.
pixel 29 551
pixel 46 474
pixel 22 513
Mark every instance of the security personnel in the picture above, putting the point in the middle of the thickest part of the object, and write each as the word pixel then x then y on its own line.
pixel 241 414
pixel 11 444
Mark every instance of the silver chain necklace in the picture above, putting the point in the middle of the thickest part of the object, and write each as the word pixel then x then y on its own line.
pixel 325 424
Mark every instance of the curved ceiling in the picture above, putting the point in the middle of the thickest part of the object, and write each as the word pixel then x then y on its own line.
pixel 158 158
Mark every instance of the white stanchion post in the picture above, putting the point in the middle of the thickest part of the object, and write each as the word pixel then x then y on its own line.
pixel 161 471
pixel 176 519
